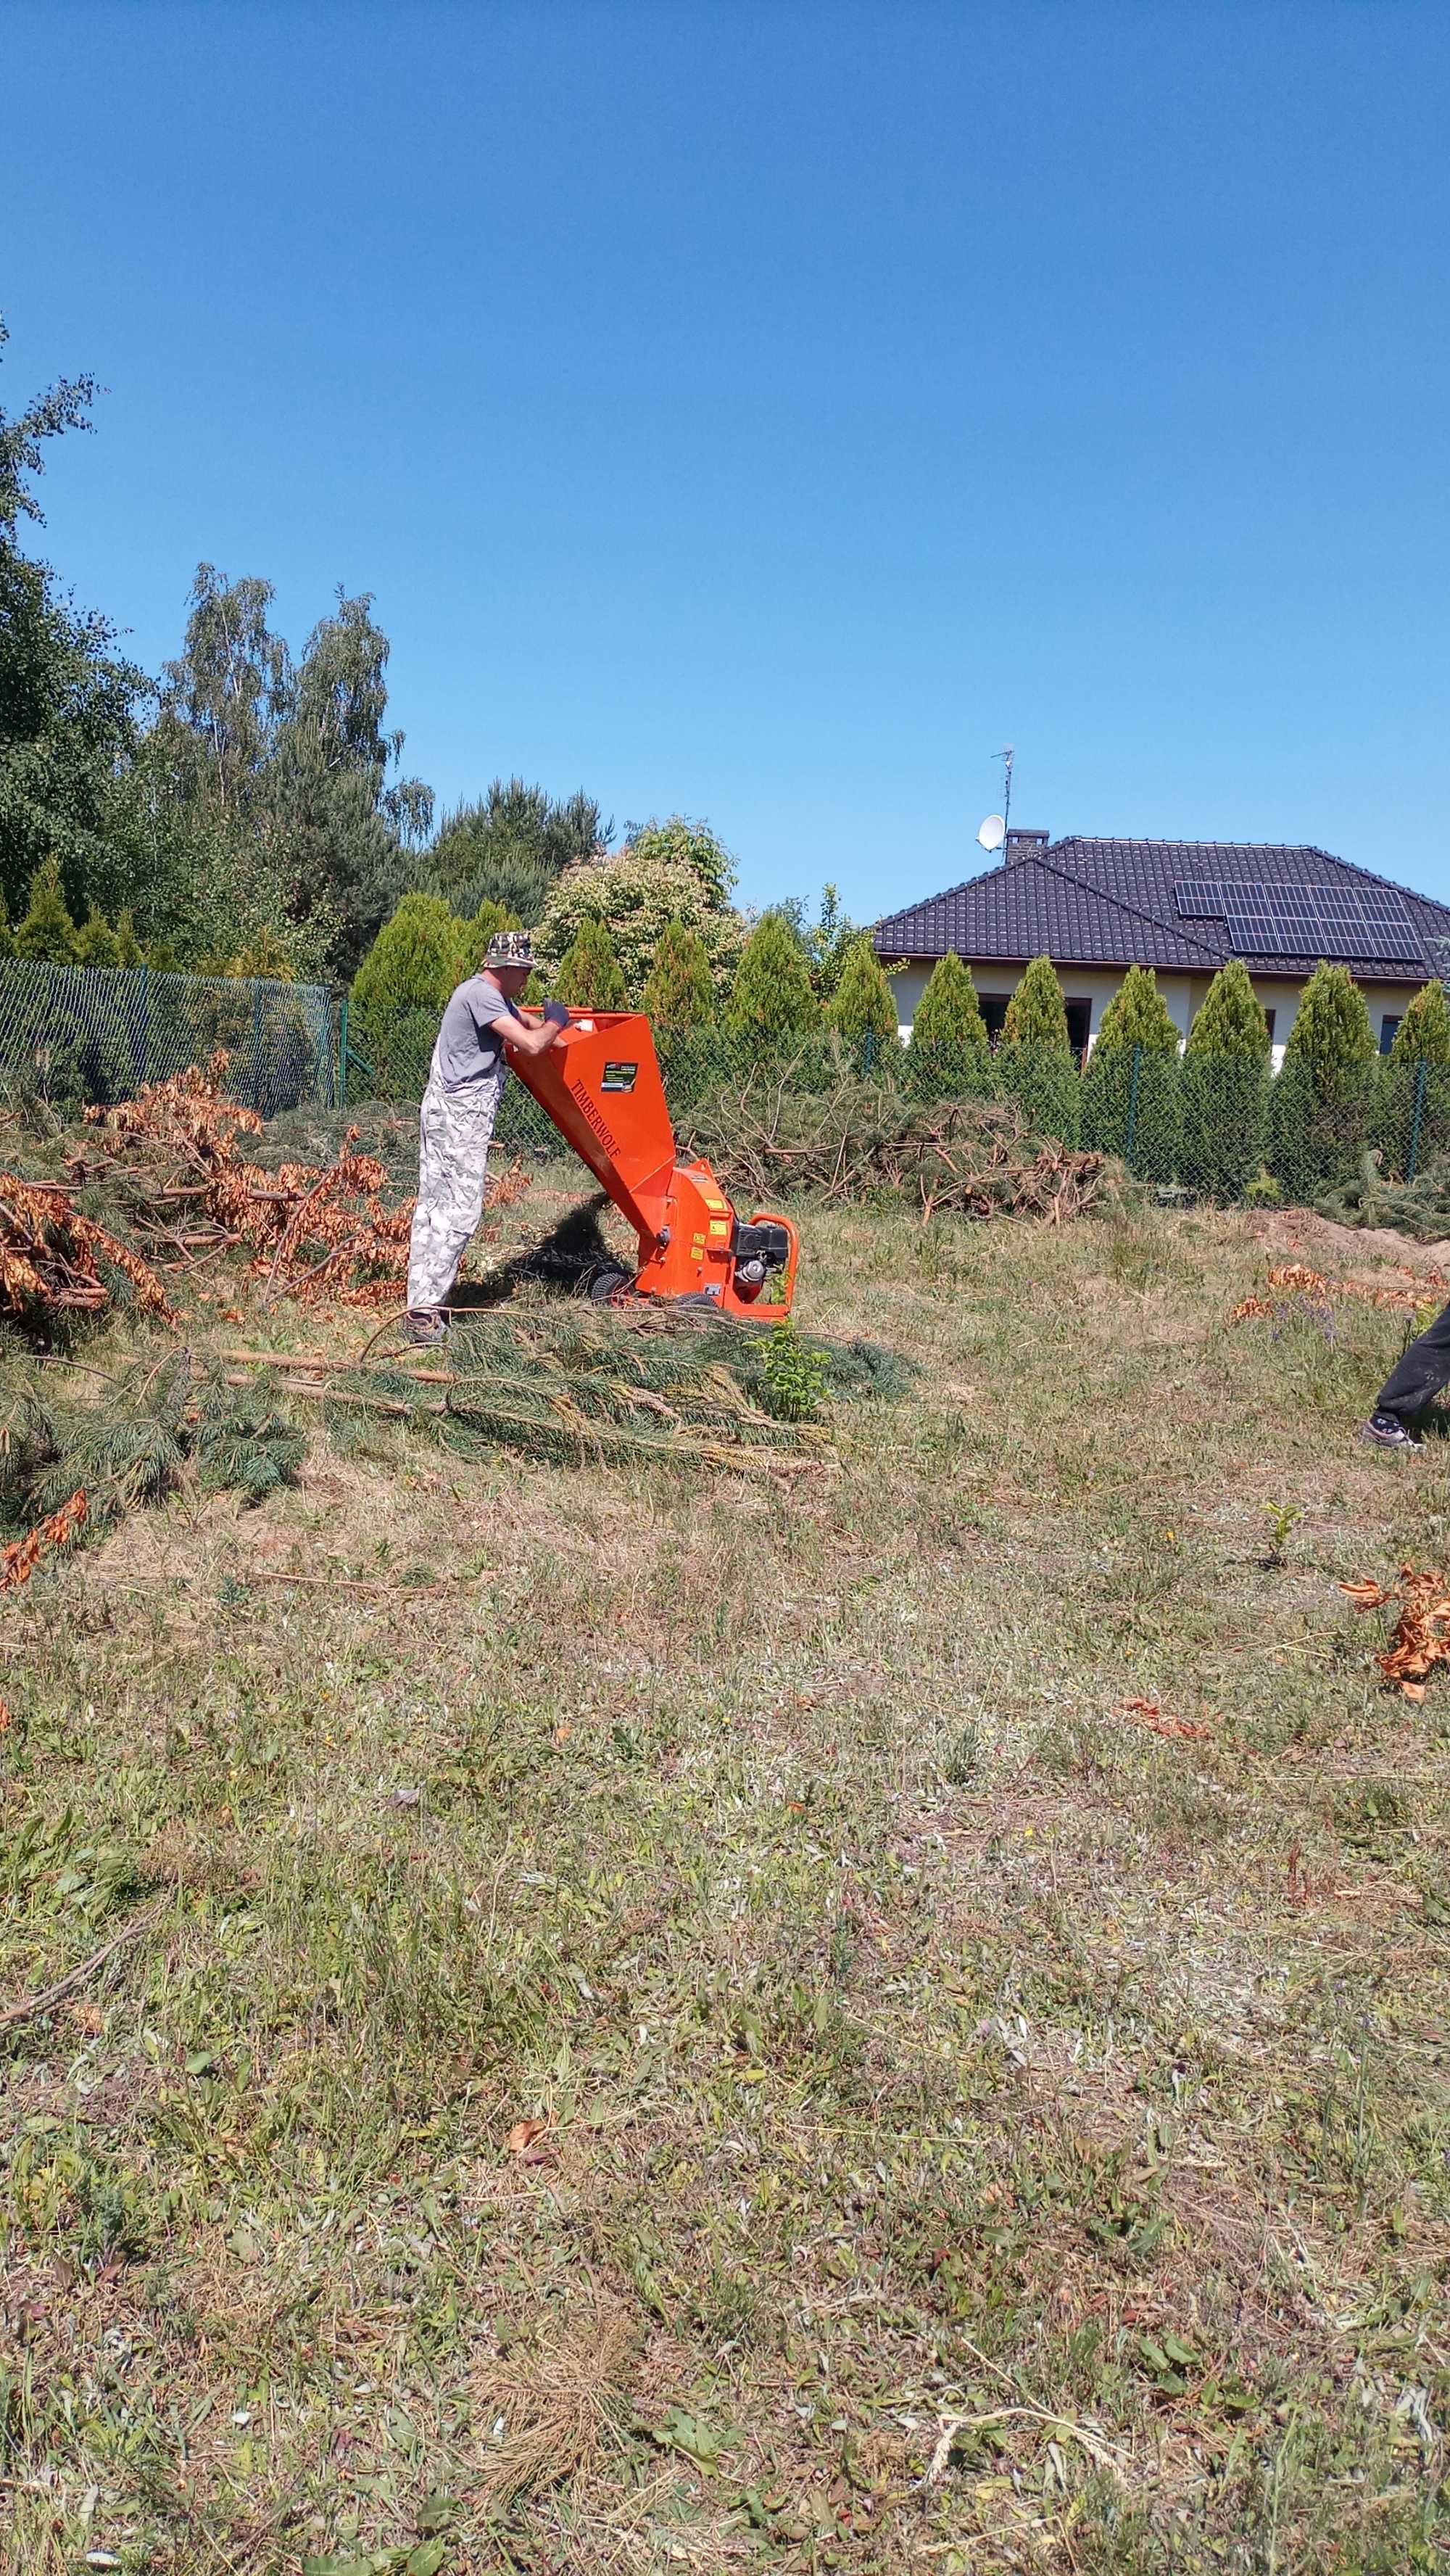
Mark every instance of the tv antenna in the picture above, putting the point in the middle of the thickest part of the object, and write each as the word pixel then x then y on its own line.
pixel 993 832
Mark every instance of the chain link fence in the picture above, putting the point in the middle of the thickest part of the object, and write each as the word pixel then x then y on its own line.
pixel 76 1034
pixel 1213 1127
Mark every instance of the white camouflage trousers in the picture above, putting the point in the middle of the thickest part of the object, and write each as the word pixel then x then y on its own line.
pixel 455 1130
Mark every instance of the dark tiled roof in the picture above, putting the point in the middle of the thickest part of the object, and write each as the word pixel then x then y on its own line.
pixel 1112 903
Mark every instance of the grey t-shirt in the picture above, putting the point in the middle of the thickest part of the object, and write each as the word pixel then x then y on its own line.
pixel 470 1047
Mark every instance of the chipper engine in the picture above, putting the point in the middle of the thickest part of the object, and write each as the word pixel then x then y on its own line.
pixel 601 1086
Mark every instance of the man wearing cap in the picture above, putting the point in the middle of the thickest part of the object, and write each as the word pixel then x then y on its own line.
pixel 460 1105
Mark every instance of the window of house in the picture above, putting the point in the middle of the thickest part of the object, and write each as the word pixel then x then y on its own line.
pixel 1388 1026
pixel 994 1011
pixel 1269 1025
pixel 1079 1022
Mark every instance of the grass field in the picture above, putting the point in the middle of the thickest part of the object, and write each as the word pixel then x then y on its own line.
pixel 689 2024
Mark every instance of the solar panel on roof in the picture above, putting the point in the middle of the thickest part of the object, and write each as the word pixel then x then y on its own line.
pixel 1271 920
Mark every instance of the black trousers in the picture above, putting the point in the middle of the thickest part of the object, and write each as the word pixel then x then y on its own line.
pixel 1422 1372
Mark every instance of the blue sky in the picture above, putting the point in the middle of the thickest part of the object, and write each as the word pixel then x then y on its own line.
pixel 769 411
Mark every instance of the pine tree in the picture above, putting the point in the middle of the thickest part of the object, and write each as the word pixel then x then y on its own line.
pixel 1137 1016
pixel 679 992
pixel 7 935
pixel 862 1005
pixel 1321 1102
pixel 47 935
pixel 1230 1019
pixel 128 947
pixel 590 977
pixel 773 995
pixel 1423 1036
pixel 1225 1087
pixel 95 941
pixel 1037 1013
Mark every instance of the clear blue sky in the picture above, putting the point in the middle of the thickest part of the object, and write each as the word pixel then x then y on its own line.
pixel 767 411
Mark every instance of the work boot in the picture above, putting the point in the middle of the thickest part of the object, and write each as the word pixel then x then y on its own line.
pixel 1387 1431
pixel 424 1327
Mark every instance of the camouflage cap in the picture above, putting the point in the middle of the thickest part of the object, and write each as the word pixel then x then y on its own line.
pixel 510 948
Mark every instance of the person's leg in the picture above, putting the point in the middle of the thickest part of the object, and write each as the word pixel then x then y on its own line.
pixel 1419 1376
pixel 455 1131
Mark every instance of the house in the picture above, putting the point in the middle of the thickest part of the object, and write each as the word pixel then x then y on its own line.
pixel 1182 907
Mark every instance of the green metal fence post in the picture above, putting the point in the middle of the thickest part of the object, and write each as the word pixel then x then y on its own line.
pixel 1422 1071
pixel 1128 1131
pixel 342 1053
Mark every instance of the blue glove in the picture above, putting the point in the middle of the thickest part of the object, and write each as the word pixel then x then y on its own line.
pixel 558 1013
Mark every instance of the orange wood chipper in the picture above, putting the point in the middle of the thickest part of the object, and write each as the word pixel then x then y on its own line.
pixel 601 1086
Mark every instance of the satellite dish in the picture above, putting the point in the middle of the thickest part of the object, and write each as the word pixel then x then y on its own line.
pixel 993 832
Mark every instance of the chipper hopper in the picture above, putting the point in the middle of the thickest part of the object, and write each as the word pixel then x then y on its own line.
pixel 601 1086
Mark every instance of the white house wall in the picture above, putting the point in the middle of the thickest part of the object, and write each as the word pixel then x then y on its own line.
pixel 1182 994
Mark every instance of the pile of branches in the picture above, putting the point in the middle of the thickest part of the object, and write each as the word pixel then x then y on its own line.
pixel 175 1165
pixel 54 1261
pixel 972 1158
pixel 587 1384
pixel 1422 1631
pixel 83 1451
pixel 1419 1208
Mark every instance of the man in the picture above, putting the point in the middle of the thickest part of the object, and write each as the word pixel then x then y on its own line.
pixel 460 1105
pixel 1424 1369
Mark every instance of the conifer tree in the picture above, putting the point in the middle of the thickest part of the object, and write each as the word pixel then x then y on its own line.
pixel 948 1050
pixel 1423 1036
pixel 7 935
pixel 1320 1109
pixel 773 995
pixel 95 941
pixel 1137 1016
pixel 1035 1064
pixel 1412 1121
pixel 1037 1013
pixel 475 934
pixel 402 984
pixel 679 992
pixel 863 1005
pixel 590 977
pixel 47 935
pixel 1230 1019
pixel 1225 1087
pixel 128 946
pixel 1131 1095
pixel 949 1013
pixel 1331 1031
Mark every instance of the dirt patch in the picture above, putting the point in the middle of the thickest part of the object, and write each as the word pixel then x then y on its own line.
pixel 1302 1235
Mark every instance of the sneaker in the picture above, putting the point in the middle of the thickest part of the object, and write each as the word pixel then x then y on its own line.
pixel 1387 1431
pixel 424 1327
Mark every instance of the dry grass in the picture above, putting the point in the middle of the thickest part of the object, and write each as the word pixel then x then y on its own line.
pixel 544 2414
pixel 984 2125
